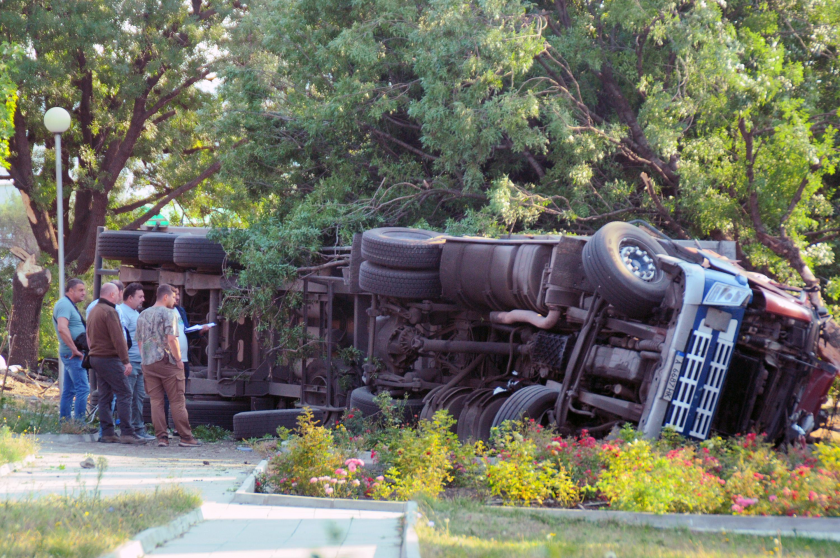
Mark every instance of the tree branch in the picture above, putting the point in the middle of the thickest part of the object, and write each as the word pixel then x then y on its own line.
pixel 140 203
pixel 663 211
pixel 208 172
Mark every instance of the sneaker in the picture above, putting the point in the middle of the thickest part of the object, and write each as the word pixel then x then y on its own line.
pixel 136 440
pixel 145 436
pixel 189 443
pixel 163 443
pixel 109 439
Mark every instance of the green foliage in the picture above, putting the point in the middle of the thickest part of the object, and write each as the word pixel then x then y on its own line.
pixel 310 454
pixel 518 477
pixel 640 479
pixel 8 99
pixel 211 433
pixel 491 117
pixel 418 461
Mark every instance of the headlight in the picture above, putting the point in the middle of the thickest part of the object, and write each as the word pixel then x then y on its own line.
pixel 722 294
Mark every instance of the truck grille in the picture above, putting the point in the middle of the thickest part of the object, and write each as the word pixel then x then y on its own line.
pixel 698 389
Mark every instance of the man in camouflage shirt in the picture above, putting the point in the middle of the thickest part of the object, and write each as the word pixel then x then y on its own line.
pixel 160 353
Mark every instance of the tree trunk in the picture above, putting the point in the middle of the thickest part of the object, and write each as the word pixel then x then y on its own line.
pixel 29 286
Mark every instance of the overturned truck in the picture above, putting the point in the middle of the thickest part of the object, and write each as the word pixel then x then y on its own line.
pixel 577 332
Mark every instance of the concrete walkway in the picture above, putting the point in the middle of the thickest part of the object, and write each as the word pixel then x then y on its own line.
pixel 243 531
pixel 216 471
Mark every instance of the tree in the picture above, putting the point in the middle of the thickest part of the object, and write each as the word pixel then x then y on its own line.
pixel 711 119
pixel 129 72
pixel 8 99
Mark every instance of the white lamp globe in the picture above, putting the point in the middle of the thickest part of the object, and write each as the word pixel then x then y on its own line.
pixel 57 120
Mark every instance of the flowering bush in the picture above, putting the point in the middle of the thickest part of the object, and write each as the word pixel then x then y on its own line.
pixel 519 477
pixel 583 459
pixel 419 460
pixel 640 479
pixel 310 454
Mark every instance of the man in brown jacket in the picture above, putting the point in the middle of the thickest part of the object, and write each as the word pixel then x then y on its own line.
pixel 157 336
pixel 109 359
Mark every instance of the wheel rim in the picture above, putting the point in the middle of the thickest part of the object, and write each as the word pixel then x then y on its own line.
pixel 638 261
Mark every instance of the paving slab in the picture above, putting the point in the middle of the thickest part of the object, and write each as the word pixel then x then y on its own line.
pixel 242 530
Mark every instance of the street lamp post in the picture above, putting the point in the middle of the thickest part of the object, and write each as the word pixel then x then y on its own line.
pixel 57 121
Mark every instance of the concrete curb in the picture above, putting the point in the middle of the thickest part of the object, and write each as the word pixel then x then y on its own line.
pixel 246 495
pixel 146 541
pixel 10 468
pixel 410 547
pixel 808 527
pixel 64 438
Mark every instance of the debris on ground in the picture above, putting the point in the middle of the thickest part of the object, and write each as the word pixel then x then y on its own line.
pixel 88 463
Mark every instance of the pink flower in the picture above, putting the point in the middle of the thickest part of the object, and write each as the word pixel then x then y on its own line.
pixel 380 478
pixel 355 482
pixel 773 498
pixel 313 480
pixel 736 508
pixel 745 502
pixel 812 496
pixel 352 467
pixel 341 472
pixel 342 481
pixel 328 490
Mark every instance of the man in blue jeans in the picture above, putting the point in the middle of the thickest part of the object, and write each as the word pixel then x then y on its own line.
pixel 69 325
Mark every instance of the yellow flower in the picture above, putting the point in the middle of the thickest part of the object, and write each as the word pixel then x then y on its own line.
pixel 88 513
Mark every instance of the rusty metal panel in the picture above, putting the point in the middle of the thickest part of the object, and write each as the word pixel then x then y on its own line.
pixel 284 390
pixel 567 265
pixel 177 278
pixel 134 274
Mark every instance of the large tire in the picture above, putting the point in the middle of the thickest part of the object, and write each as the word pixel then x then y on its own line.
pixel 532 402
pixel 215 413
pixel 198 252
pixel 256 424
pixel 632 293
pixel 399 283
pixel 402 248
pixel 157 248
pixel 120 245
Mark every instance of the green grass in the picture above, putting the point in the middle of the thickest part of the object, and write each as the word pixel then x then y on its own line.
pixel 14 448
pixel 22 416
pixel 211 433
pixel 86 525
pixel 465 529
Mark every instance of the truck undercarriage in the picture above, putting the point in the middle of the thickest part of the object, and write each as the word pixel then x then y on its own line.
pixel 576 332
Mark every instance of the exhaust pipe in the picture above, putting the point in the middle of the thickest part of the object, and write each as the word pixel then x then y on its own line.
pixel 527 316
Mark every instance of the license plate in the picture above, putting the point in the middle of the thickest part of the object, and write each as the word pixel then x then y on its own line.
pixel 674 376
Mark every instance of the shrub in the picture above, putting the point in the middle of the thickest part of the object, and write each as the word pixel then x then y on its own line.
pixel 639 479
pixel 582 457
pixel 310 454
pixel 418 461
pixel 828 456
pixel 518 477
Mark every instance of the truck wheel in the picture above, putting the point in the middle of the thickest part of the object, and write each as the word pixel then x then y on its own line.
pixel 157 248
pixel 402 248
pixel 120 245
pixel 620 261
pixel 198 252
pixel 256 424
pixel 399 283
pixel 532 402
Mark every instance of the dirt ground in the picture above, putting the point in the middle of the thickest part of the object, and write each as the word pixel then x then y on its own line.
pixel 18 386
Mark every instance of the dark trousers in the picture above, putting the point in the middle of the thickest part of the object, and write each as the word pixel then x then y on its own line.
pixel 110 375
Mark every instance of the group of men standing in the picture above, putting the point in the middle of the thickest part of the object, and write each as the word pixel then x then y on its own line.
pixel 132 353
